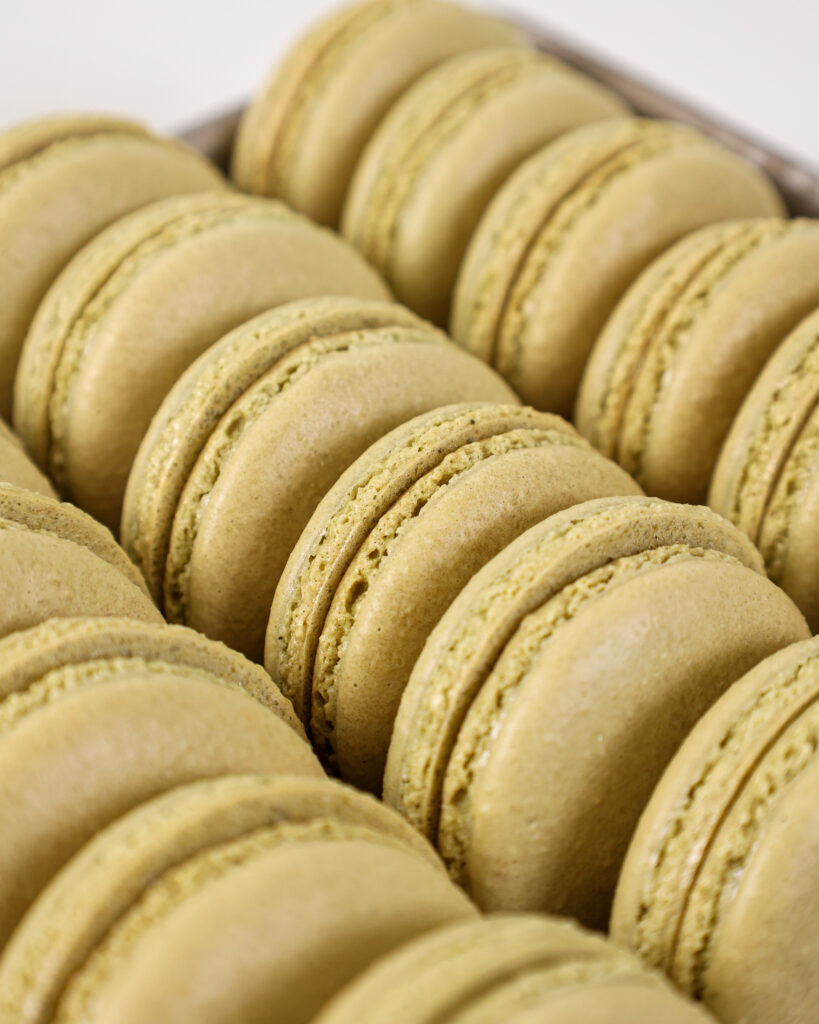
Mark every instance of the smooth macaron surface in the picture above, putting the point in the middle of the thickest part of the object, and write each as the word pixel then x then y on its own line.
pixel 545 705
pixel 719 885
pixel 682 349
pixel 767 476
pixel 423 511
pixel 138 305
pixel 471 121
pixel 62 180
pixel 16 467
pixel 322 104
pixel 571 230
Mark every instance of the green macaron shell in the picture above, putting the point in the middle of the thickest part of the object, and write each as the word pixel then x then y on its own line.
pixel 17 468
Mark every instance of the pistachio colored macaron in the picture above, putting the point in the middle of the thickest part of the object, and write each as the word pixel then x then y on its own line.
pixel 259 892
pixel 442 152
pixel 86 742
pixel 767 476
pixel 271 416
pixel 560 682
pixel 681 350
pixel 390 546
pixel 16 467
pixel 522 969
pixel 138 305
pixel 720 884
pixel 572 229
pixel 303 134
pixel 55 561
pixel 62 180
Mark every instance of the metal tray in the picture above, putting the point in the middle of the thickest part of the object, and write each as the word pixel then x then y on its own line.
pixel 798 183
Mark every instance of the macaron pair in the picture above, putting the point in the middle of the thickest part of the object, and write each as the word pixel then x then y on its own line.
pixel 62 180
pixel 571 230
pixel 684 346
pixel 56 561
pixel 230 901
pixel 16 467
pixel 767 476
pixel 720 884
pixel 443 151
pixel 390 547
pixel 560 682
pixel 138 305
pixel 90 728
pixel 510 970
pixel 303 134
pixel 254 434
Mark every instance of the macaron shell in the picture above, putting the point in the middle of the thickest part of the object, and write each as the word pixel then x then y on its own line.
pixel 17 468
pixel 27 139
pixel 54 201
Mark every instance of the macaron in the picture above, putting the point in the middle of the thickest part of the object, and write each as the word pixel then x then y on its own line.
pixel 767 476
pixel 444 149
pixel 252 437
pixel 138 305
pixel 571 230
pixel 16 467
pixel 390 547
pixel 62 180
pixel 57 562
pixel 511 968
pixel 683 347
pixel 719 887
pixel 302 135
pixel 558 685
pixel 258 891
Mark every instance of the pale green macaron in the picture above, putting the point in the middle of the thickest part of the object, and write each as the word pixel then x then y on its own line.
pixel 571 230
pixel 62 180
pixel 391 545
pixel 511 969
pixel 682 349
pixel 442 152
pixel 258 891
pixel 16 467
pixel 255 433
pixel 720 884
pixel 560 682
pixel 304 132
pixel 767 476
pixel 137 305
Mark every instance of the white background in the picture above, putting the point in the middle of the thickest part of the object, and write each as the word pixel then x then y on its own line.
pixel 173 62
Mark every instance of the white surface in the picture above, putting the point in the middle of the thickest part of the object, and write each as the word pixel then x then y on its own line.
pixel 172 62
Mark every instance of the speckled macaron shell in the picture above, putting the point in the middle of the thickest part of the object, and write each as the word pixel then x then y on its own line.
pixel 303 134
pixel 17 468
pixel 765 479
pixel 679 354
pixel 506 968
pixel 107 877
pixel 85 743
pixel 138 305
pixel 205 392
pixel 719 885
pixel 471 121
pixel 572 229
pixel 280 447
pixel 416 557
pixel 62 180
pixel 26 656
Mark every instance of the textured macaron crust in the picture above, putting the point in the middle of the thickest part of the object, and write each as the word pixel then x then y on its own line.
pixel 510 968
pixel 62 180
pixel 442 152
pixel 85 743
pixel 682 349
pixel 138 305
pixel 390 547
pixel 767 476
pixel 719 887
pixel 308 388
pixel 547 702
pixel 16 467
pixel 83 903
pixel 571 230
pixel 303 134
